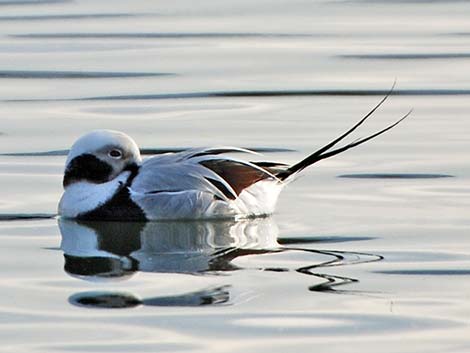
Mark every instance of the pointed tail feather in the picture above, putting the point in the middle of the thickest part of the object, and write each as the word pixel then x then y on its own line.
pixel 325 151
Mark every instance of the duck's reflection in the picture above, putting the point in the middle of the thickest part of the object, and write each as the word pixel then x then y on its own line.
pixel 116 250
pixel 117 300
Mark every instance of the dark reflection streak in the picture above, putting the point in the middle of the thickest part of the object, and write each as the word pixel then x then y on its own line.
pixel 404 2
pixel 417 56
pixel 437 272
pixel 120 300
pixel 108 300
pixel 375 257
pixel 332 281
pixel 276 269
pixel 211 296
pixel 395 176
pixel 32 2
pixel 259 94
pixel 19 74
pixel 310 240
pixel 23 217
pixel 410 92
pixel 207 35
pixel 67 17
pixel 223 262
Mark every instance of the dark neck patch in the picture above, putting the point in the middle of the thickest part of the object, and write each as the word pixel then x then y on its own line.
pixel 87 167
pixel 134 169
pixel 119 208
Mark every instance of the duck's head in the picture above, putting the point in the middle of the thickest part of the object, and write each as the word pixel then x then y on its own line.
pixel 100 156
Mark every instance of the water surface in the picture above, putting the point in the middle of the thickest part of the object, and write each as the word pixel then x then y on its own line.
pixel 367 252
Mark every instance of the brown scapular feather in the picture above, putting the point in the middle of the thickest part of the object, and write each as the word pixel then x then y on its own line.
pixel 238 175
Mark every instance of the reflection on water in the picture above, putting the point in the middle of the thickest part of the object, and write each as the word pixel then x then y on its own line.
pixel 25 216
pixel 30 74
pixel 253 94
pixel 100 251
pixel 67 16
pixel 120 300
pixel 395 176
pixel 112 249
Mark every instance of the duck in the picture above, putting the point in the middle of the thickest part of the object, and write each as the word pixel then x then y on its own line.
pixel 106 179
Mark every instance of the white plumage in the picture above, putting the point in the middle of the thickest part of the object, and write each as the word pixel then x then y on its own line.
pixel 185 190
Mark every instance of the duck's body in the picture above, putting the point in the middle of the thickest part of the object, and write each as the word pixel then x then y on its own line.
pixel 105 179
pixel 185 185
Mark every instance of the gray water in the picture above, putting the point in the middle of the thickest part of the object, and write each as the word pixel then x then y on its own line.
pixel 368 251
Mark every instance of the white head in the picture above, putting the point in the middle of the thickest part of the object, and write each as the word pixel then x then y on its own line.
pixel 100 156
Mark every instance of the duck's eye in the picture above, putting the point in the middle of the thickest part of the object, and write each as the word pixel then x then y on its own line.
pixel 116 154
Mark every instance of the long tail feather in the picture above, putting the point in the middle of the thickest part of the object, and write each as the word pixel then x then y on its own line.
pixel 362 140
pixel 347 133
pixel 324 152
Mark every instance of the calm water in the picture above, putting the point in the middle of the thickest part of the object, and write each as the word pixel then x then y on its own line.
pixel 369 251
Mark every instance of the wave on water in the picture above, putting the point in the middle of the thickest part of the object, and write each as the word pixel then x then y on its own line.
pixel 23 74
pixel 31 2
pixel 320 239
pixel 25 216
pixel 429 272
pixel 84 16
pixel 395 176
pixel 259 94
pixel 175 35
pixel 415 56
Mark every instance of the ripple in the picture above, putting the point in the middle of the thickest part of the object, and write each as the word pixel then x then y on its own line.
pixel 31 2
pixel 404 2
pixel 421 256
pixel 20 74
pixel 342 323
pixel 125 347
pixel 174 35
pixel 395 176
pixel 432 272
pixel 331 282
pixel 69 16
pixel 317 239
pixel 25 216
pixel 415 56
pixel 259 94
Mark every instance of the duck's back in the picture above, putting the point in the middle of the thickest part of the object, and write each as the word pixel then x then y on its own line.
pixel 200 183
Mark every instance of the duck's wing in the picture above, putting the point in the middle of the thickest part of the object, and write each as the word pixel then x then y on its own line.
pixel 201 169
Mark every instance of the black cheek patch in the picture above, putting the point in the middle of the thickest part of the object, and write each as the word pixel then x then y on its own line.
pixel 87 167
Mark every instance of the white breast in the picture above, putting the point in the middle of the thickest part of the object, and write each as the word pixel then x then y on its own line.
pixel 83 196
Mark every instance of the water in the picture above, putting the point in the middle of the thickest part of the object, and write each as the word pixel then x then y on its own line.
pixel 368 251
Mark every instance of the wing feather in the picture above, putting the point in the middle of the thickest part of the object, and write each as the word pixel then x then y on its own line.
pixel 201 169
